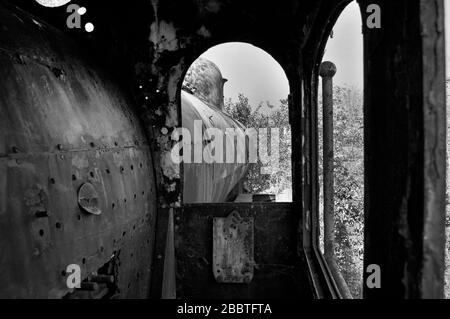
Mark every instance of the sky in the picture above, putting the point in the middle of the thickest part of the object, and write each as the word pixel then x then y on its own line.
pixel 250 71
pixel 258 75
pixel 345 48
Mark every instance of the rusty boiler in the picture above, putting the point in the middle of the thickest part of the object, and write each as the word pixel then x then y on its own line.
pixel 77 185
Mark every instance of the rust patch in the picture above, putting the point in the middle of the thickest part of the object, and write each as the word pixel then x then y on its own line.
pixel 233 249
pixel 37 200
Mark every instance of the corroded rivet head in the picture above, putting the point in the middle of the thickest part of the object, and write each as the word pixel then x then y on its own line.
pixel 327 69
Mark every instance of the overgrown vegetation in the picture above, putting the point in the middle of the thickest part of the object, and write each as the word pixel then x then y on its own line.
pixel 266 116
pixel 348 170
pixel 348 183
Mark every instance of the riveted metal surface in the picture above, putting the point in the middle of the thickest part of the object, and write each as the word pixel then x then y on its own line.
pixel 405 124
pixel 63 130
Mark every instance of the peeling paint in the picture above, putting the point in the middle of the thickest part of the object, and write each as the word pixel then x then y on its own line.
pixel 163 36
pixel 170 169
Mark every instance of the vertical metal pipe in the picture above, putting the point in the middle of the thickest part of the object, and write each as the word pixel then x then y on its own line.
pixel 327 71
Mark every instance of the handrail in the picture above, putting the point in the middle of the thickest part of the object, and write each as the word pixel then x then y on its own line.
pixel 327 71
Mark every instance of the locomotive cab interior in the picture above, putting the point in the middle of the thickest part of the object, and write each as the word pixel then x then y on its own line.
pixel 96 103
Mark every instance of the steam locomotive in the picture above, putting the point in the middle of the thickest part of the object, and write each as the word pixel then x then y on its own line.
pixel 77 184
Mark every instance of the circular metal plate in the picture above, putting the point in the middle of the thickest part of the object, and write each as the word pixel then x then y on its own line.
pixel 88 199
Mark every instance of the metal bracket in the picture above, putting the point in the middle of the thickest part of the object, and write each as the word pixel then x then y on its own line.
pixel 233 247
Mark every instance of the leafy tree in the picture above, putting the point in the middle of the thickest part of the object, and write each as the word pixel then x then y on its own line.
pixel 348 170
pixel 267 116
pixel 349 183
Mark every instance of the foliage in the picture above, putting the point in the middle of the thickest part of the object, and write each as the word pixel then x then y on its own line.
pixel 266 117
pixel 349 183
pixel 349 191
pixel 348 170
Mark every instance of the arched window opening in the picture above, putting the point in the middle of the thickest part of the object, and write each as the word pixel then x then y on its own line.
pixel 345 50
pixel 236 137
